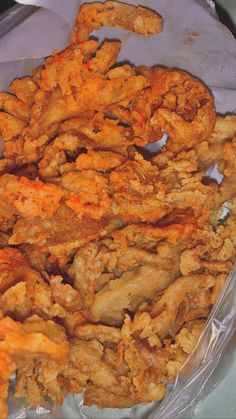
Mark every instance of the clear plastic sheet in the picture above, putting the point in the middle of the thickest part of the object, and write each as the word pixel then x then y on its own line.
pixel 195 380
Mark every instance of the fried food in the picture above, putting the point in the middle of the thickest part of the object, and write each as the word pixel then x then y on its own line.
pixel 111 258
pixel 111 13
pixel 175 103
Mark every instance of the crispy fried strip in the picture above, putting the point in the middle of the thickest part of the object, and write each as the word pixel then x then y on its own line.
pixel 111 13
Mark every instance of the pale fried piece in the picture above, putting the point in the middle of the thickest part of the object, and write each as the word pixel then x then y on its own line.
pixel 183 107
pixel 86 269
pixel 100 332
pixel 150 363
pixel 102 161
pixel 59 235
pixel 14 106
pixel 25 89
pixel 166 308
pixel 127 292
pixel 130 258
pixel 97 263
pixel 112 13
pixel 64 294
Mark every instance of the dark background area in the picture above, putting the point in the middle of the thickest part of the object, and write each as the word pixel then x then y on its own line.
pixel 223 14
pixel 5 4
pixel 225 18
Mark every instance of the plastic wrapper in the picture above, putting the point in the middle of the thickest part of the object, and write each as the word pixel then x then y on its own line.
pixel 177 46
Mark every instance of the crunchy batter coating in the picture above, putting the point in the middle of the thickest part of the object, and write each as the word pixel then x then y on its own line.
pixel 111 13
pixel 111 258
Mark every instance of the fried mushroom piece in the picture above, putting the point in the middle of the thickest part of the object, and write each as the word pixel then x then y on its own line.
pixel 20 343
pixel 127 292
pixel 178 104
pixel 165 310
pixel 112 13
pixel 60 235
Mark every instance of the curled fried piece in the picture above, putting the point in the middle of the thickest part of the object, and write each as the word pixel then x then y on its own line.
pixel 183 107
pixel 19 343
pixel 112 13
pixel 166 308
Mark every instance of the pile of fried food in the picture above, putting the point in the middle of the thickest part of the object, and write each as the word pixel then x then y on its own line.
pixel 111 258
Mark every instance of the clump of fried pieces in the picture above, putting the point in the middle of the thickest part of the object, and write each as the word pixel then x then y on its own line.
pixel 110 262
